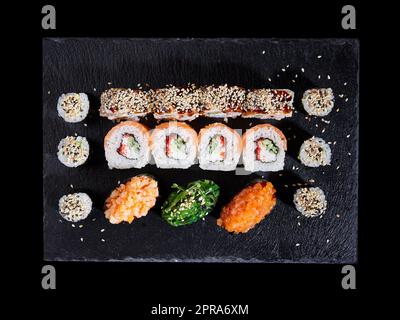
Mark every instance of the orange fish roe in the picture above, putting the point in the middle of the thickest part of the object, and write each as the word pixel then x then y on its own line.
pixel 131 200
pixel 248 207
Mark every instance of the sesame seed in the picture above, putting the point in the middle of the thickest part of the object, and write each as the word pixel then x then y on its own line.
pixel 316 125
pixel 102 230
pixel 283 69
pixel 263 52
pixel 298 223
pixel 297 244
pixel 319 57
pixel 119 182
pixel 347 99
pixel 338 216
pixel 337 110
pixel 323 130
pixel 73 226
pixel 81 226
pixel 269 79
pixel 337 168
pixel 85 124
pixel 75 134
pixel 102 240
pixel 328 76
pixel 81 239
pixel 334 142
pixel 349 153
pixel 348 136
pixel 345 84
pixel 94 219
pixel 319 76
pixel 48 92
pixel 327 240
pixel 311 180
pixel 286 186
pixel 302 69
pixel 94 89
pixel 109 83
pixel 287 66
pixel 293 80
pixel 295 75
pixel 278 75
pixel 72 186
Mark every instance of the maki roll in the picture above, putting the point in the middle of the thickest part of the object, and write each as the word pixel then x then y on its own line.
pixel 75 207
pixel 219 147
pixel 73 151
pixel 73 107
pixel 177 103
pixel 268 104
pixel 315 152
pixel 188 205
pixel 127 146
pixel 264 148
pixel 318 102
pixel 248 207
pixel 174 145
pixel 223 101
pixel 310 202
pixel 125 104
pixel 131 200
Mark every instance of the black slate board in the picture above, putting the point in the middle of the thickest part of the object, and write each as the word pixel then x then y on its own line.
pixel 93 65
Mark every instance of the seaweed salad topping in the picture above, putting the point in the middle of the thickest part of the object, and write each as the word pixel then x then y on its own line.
pixel 188 205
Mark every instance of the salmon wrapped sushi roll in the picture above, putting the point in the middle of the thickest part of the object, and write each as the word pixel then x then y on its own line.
pixel 264 148
pixel 248 207
pixel 127 146
pixel 219 147
pixel 174 145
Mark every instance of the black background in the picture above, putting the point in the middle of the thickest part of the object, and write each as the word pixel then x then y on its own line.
pixel 262 286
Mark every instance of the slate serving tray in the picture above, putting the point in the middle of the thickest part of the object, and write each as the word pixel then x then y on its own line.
pixel 93 65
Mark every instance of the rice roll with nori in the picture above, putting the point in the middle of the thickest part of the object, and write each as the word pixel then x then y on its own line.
pixel 75 207
pixel 318 102
pixel 174 145
pixel 264 148
pixel 73 151
pixel 315 152
pixel 219 147
pixel 127 146
pixel 73 107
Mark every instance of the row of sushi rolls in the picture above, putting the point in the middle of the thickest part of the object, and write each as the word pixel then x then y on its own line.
pixel 174 144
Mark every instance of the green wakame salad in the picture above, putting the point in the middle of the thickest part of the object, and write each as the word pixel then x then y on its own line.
pixel 188 205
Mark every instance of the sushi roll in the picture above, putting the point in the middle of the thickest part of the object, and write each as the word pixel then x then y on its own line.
pixel 131 200
pixel 219 147
pixel 75 207
pixel 73 107
pixel 318 102
pixel 223 101
pixel 125 104
pixel 73 151
pixel 315 152
pixel 264 148
pixel 127 146
pixel 268 104
pixel 174 145
pixel 248 207
pixel 310 202
pixel 182 104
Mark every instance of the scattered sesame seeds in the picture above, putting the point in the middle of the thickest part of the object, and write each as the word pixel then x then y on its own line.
pixel 302 69
pixel 323 130
pixel 298 223
pixel 325 121
pixel 334 142
pixel 341 95
pixel 287 66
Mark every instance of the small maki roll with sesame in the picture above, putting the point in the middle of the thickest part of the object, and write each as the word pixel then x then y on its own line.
pixel 318 102
pixel 73 107
pixel 174 145
pixel 223 101
pixel 264 148
pixel 126 146
pixel 219 147
pixel 310 202
pixel 315 152
pixel 182 104
pixel 75 207
pixel 268 104
pixel 125 104
pixel 73 151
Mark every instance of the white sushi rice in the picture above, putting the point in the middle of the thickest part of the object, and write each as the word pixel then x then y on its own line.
pixel 232 149
pixel 159 148
pixel 73 151
pixel 315 152
pixel 73 107
pixel 318 102
pixel 116 160
pixel 75 207
pixel 310 202
pixel 249 155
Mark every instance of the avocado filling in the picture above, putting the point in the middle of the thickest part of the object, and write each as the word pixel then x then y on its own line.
pixel 266 150
pixel 175 147
pixel 129 147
